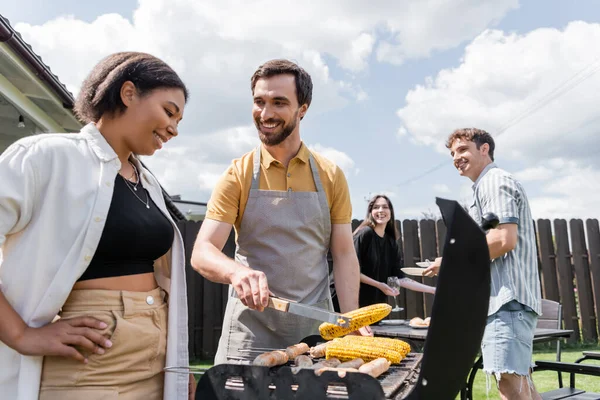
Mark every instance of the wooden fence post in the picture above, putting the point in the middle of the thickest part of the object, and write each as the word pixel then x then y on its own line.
pixel 402 296
pixel 412 249
pixel 584 284
pixel 593 235
pixel 195 283
pixel 565 284
pixel 548 259
pixel 428 251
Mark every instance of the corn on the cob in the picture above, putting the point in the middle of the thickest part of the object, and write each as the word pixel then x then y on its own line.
pixel 380 342
pixel 346 350
pixel 362 317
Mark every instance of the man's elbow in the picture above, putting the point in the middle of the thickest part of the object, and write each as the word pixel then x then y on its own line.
pixel 197 259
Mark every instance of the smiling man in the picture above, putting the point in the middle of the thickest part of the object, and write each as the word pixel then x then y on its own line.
pixel 289 206
pixel 515 301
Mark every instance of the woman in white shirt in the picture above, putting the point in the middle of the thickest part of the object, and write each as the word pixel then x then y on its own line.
pixel 85 234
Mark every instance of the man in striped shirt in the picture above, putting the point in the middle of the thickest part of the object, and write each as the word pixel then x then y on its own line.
pixel 515 298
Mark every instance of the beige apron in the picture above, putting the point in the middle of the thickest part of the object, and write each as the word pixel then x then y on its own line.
pixel 286 235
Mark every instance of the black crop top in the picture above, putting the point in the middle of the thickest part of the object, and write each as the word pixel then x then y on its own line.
pixel 134 236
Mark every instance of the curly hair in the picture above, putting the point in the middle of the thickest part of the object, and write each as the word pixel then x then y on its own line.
pixel 100 93
pixel 477 136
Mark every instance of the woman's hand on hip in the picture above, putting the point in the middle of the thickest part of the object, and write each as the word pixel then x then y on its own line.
pixel 61 337
pixel 251 287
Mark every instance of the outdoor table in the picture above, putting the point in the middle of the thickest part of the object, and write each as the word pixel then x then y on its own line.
pixel 417 336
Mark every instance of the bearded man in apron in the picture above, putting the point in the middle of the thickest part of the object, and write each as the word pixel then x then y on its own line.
pixel 289 206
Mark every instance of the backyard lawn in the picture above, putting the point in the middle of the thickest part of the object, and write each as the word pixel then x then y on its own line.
pixel 546 380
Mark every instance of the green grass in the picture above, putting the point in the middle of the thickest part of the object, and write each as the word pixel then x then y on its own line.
pixel 202 363
pixel 546 380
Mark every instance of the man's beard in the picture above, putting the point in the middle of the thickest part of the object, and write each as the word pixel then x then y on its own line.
pixel 273 139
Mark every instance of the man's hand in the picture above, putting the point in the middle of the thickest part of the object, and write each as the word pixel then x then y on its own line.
pixel 434 268
pixel 251 287
pixel 59 338
pixel 389 291
pixel 364 331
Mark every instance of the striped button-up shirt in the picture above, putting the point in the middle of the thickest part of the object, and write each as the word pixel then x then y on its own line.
pixel 515 274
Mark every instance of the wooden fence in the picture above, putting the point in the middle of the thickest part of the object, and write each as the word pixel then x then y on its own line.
pixel 569 269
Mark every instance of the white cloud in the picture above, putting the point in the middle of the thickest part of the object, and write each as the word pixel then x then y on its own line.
pixel 539 173
pixel 361 47
pixel 574 192
pixel 501 81
pixel 361 95
pixel 425 26
pixel 526 88
pixel 340 158
pixel 401 132
pixel 441 188
pixel 217 44
pixel 191 165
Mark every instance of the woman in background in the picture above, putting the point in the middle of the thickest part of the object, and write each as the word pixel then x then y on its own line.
pixel 375 241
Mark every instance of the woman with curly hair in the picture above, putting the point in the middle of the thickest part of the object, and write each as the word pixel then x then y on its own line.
pixel 93 294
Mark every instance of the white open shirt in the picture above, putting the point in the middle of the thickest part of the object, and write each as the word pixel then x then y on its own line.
pixel 55 192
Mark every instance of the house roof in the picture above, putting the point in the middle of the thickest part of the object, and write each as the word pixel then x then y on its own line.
pixel 13 39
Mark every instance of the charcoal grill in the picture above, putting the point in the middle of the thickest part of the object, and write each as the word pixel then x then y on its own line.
pixel 241 382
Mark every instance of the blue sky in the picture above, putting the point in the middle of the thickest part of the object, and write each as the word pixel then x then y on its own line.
pixel 391 82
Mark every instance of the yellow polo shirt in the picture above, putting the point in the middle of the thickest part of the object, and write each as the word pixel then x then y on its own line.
pixel 229 198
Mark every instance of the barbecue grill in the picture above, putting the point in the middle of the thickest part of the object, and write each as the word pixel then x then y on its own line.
pixel 237 381
pixel 457 322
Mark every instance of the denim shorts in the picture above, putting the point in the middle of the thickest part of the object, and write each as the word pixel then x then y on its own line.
pixel 508 340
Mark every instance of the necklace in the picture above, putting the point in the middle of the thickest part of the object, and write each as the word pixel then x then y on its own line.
pixel 134 174
pixel 132 171
pixel 133 188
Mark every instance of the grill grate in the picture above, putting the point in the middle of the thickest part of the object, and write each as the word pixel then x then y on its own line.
pixel 282 383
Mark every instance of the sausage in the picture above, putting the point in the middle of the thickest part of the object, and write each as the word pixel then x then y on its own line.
pixel 296 350
pixel 356 363
pixel 375 367
pixel 303 361
pixel 332 362
pixel 319 350
pixel 341 371
pixel 271 358
pixel 416 321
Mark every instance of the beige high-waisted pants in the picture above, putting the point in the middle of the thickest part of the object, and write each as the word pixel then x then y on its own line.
pixel 132 368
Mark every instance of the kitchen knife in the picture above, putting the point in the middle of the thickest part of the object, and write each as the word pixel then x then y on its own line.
pixel 319 314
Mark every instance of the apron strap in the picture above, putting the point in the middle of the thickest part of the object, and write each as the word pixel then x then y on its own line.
pixel 318 184
pixel 322 197
pixel 256 170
